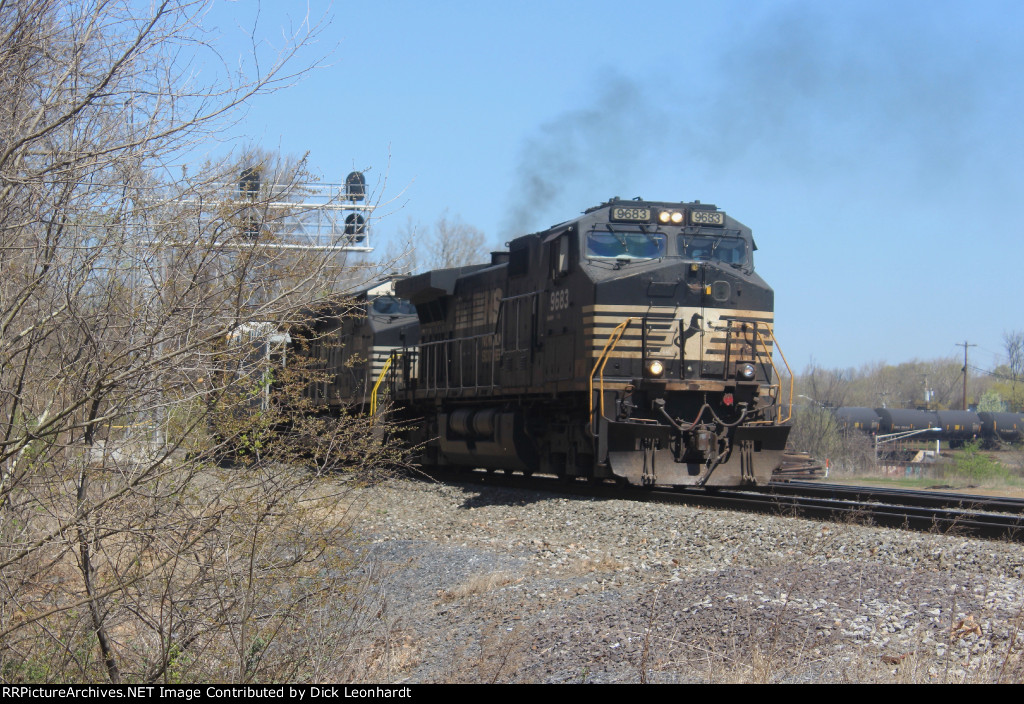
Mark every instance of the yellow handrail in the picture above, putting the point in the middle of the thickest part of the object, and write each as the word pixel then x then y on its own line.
pixel 602 360
pixel 380 378
pixel 774 369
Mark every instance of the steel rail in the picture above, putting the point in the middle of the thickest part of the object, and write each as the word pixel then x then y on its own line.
pixel 909 497
pixel 953 521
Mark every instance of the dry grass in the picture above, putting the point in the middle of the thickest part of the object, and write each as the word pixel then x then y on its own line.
pixel 476 585
pixel 605 564
pixel 942 474
pixel 311 608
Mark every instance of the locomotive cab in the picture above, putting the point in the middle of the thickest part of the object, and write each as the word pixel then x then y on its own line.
pixel 347 346
pixel 684 386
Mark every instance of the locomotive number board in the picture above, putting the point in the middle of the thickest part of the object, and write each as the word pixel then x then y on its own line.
pixel 707 217
pixel 626 213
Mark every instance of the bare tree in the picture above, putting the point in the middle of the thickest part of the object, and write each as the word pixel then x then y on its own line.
pixel 815 429
pixel 1013 343
pixel 128 303
pixel 450 243
pixel 827 388
pixel 401 254
pixel 455 243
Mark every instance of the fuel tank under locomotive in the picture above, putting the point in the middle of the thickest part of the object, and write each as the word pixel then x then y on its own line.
pixel 489 437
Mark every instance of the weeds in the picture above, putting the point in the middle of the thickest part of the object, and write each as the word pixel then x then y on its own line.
pixel 972 464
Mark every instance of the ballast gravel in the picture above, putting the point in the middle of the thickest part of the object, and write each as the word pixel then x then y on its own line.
pixel 487 584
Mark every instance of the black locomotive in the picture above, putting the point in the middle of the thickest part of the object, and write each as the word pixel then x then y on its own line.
pixel 348 347
pixel 633 342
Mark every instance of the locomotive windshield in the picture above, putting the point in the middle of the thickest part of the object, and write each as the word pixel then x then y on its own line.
pixel 389 305
pixel 625 244
pixel 729 250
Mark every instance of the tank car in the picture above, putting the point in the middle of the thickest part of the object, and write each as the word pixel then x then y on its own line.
pixel 859 418
pixel 1002 427
pixel 633 343
pixel 956 427
pixel 899 420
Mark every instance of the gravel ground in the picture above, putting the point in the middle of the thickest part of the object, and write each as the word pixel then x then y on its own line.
pixel 489 584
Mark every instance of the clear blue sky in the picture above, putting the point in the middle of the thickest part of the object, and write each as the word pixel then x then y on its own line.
pixel 875 148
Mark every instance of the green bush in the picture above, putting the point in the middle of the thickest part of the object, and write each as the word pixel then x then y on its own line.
pixel 970 463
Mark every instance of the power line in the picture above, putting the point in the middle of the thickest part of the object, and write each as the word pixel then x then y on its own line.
pixel 997 375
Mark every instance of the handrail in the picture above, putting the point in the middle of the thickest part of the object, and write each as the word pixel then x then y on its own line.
pixel 380 379
pixel 453 349
pixel 768 354
pixel 602 360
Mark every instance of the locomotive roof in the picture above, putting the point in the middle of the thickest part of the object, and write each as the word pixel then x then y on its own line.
pixel 694 205
pixel 339 308
pixel 384 287
pixel 432 284
pixel 729 222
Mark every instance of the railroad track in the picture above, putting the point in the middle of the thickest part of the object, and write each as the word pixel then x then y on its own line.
pixel 953 514
pixel 909 497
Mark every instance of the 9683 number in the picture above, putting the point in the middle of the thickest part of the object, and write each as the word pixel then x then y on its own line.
pixel 707 217
pixel 631 214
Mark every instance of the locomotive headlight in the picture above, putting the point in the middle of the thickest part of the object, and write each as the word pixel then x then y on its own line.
pixel 745 371
pixel 677 217
pixel 655 368
pixel 664 216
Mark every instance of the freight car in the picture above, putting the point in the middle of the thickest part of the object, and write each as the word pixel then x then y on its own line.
pixel 633 343
pixel 956 427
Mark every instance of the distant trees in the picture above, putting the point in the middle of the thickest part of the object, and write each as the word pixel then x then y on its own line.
pixel 1007 380
pixel 449 243
pixel 1013 342
pixel 933 384
pixel 1002 388
pixel 826 388
pixel 815 429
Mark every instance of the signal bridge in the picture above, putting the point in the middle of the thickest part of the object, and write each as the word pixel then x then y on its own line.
pixel 320 216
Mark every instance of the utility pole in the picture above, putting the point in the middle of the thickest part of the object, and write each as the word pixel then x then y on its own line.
pixel 965 345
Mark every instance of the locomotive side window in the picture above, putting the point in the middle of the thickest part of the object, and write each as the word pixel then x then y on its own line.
pixel 559 252
pixel 625 244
